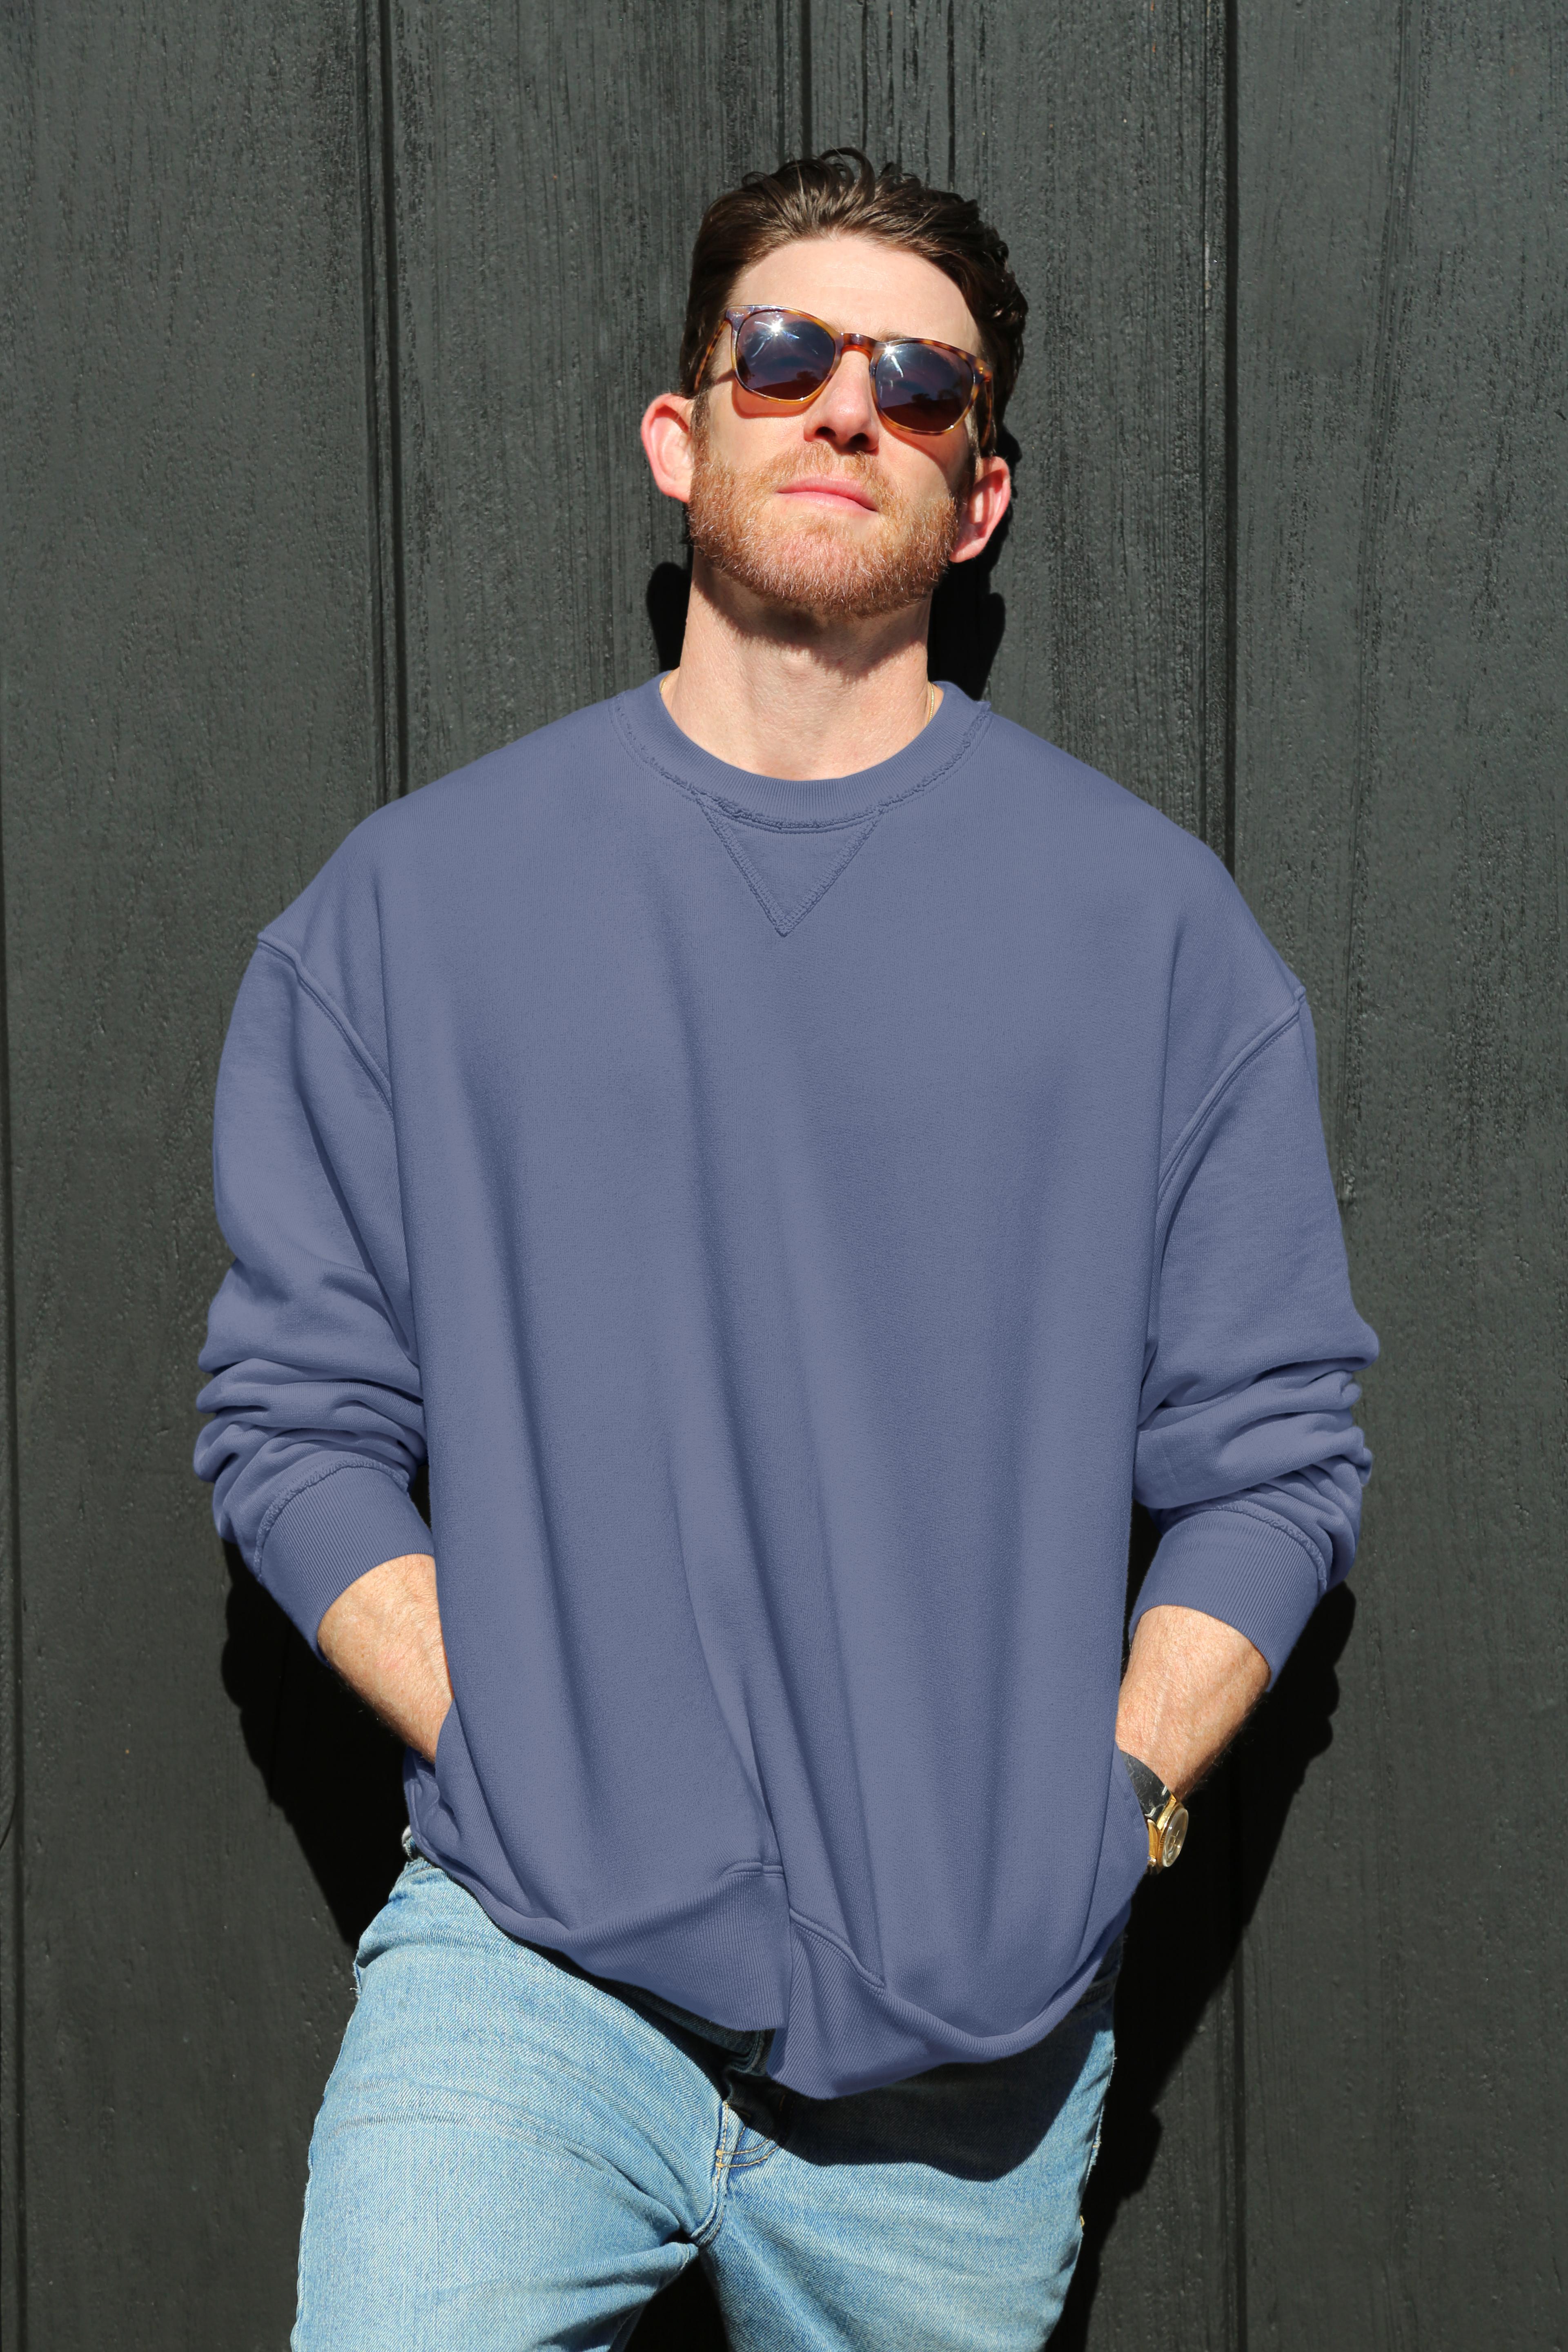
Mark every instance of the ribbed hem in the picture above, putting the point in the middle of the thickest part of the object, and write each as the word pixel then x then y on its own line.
pixel 1250 1570
pixel 333 1531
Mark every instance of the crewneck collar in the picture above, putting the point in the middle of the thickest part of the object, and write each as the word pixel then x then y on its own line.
pixel 653 736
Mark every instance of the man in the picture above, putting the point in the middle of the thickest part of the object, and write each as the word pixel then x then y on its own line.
pixel 796 1155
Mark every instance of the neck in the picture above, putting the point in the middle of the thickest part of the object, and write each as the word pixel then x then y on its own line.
pixel 787 694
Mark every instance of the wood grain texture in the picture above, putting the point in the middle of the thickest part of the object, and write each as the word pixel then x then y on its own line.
pixel 324 360
pixel 551 165
pixel 188 729
pixel 15 179
pixel 1095 142
pixel 1402 751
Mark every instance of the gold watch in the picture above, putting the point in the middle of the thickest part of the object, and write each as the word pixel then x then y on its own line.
pixel 1167 1820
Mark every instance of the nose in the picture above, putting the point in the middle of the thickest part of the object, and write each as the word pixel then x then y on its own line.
pixel 844 412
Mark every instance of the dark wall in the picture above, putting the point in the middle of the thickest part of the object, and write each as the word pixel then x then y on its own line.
pixel 326 330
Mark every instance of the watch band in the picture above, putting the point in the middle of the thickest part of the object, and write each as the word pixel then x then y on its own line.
pixel 1147 1786
pixel 1167 1820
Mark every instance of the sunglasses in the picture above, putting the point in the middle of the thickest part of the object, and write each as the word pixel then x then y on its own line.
pixel 919 386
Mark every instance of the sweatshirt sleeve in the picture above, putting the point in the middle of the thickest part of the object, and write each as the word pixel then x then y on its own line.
pixel 318 1416
pixel 1248 1457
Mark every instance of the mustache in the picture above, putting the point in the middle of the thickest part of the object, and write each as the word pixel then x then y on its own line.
pixel 818 463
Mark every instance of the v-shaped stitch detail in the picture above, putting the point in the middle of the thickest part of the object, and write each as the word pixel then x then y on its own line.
pixel 788 868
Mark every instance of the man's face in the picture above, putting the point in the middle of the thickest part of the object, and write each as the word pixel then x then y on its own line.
pixel 830 511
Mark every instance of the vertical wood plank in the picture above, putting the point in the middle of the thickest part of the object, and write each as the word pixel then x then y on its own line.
pixel 551 166
pixel 188 729
pixel 1402 749
pixel 1097 144
pixel 13 2187
pixel 15 176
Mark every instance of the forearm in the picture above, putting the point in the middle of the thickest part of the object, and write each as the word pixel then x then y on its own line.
pixel 384 1636
pixel 1191 1682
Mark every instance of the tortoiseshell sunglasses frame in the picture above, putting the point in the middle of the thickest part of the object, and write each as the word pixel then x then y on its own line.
pixel 872 346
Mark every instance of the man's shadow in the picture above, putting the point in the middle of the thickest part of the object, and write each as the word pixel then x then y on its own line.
pixel 326 1762
pixel 329 1765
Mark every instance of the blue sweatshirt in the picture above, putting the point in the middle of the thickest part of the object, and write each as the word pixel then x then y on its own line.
pixel 794 1221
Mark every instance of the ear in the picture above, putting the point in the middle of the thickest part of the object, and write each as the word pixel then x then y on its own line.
pixel 667 440
pixel 989 497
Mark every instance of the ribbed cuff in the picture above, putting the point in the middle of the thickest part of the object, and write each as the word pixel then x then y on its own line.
pixel 333 1531
pixel 1249 1570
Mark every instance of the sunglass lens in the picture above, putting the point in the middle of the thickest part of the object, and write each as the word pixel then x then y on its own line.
pixel 781 357
pixel 921 389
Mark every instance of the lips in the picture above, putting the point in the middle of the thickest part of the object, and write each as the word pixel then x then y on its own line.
pixel 824 486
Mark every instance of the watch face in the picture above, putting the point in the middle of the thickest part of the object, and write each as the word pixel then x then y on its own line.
pixel 1174 1837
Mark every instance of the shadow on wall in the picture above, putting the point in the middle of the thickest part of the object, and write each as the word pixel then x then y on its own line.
pixel 967 616
pixel 330 1766
pixel 1186 1928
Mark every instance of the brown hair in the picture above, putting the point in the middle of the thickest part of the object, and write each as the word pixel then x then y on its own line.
pixel 839 193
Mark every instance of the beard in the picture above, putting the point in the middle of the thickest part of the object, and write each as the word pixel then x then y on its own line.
pixel 831 567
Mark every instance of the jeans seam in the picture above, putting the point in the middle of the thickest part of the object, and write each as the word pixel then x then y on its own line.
pixel 297 2333
pixel 709 2227
pixel 1094 2151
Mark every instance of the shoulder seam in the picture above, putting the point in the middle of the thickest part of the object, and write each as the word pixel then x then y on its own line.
pixel 339 1019
pixel 1221 1085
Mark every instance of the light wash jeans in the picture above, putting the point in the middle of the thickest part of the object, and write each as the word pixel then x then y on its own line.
pixel 511 2157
